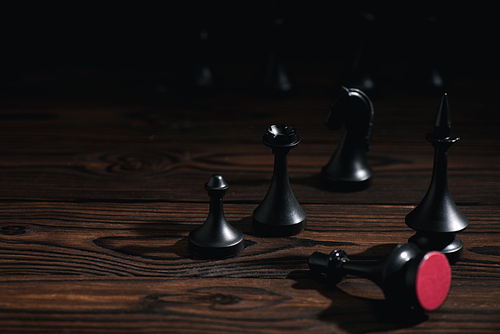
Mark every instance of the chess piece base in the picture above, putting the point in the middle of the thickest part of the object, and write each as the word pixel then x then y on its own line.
pixel 344 186
pixel 216 252
pixel 271 230
pixel 446 243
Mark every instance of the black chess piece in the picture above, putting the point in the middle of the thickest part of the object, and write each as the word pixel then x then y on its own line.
pixel 361 71
pixel 437 218
pixel 427 76
pixel 408 276
pixel 273 78
pixel 200 79
pixel 216 238
pixel 203 75
pixel 348 169
pixel 280 214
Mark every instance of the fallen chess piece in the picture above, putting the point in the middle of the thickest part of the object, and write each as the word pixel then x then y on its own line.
pixel 408 276
pixel 216 238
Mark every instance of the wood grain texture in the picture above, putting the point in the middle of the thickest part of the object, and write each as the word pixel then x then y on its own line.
pixel 99 196
pixel 292 305
pixel 151 167
pixel 150 239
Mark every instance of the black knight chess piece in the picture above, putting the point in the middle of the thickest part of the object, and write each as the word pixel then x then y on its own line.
pixel 408 276
pixel 280 214
pixel 437 218
pixel 348 169
pixel 216 238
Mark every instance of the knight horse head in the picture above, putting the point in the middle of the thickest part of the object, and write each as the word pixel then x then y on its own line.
pixel 348 170
pixel 352 107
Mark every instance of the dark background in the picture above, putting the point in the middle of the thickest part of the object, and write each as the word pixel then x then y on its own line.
pixel 162 39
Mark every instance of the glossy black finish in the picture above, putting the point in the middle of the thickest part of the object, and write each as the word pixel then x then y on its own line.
pixel 348 169
pixel 216 238
pixel 396 274
pixel 437 218
pixel 280 214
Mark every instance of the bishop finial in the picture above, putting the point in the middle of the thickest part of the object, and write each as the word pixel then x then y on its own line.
pixel 442 126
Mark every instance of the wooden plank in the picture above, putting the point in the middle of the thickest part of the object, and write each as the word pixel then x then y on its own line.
pixel 150 239
pixel 159 172
pixel 166 149
pixel 293 305
pixel 98 198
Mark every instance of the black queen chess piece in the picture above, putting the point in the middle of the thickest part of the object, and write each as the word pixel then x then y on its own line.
pixel 216 238
pixel 408 276
pixel 437 218
pixel 280 214
pixel 349 169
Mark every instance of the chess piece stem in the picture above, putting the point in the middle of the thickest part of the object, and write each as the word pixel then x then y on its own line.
pixel 280 214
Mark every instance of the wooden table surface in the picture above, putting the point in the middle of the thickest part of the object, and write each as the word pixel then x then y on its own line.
pixel 102 179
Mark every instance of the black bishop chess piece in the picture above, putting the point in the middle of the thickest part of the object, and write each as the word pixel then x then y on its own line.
pixel 280 214
pixel 437 218
pixel 348 169
pixel 216 238
pixel 408 276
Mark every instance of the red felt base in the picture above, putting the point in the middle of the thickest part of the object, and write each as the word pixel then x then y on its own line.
pixel 433 281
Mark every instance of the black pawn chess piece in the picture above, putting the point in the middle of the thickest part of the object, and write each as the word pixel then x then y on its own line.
pixel 348 169
pixel 280 214
pixel 437 218
pixel 216 238
pixel 408 276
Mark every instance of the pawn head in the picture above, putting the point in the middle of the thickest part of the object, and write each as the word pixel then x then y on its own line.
pixel 216 186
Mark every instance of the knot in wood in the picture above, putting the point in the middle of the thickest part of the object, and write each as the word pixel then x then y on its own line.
pixel 13 230
pixel 224 299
